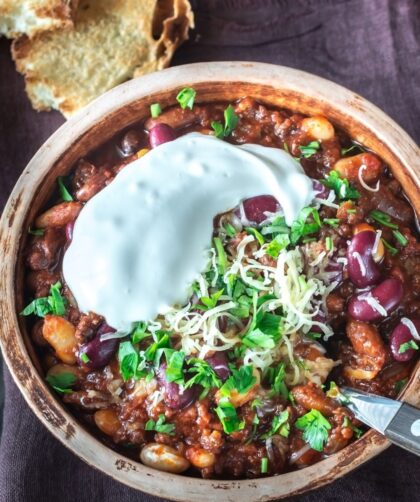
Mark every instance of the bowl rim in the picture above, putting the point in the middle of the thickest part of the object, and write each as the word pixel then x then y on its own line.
pixel 41 400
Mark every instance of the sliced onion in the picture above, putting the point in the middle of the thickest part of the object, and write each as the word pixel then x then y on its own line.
pixel 295 456
pixel 410 325
pixel 113 334
pixel 362 181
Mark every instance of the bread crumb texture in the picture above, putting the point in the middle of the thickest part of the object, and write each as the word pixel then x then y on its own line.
pixel 112 41
pixel 30 17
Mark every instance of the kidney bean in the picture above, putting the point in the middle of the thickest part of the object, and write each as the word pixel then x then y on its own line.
pixel 400 335
pixel 320 190
pixel 256 207
pixel 99 352
pixel 174 398
pixel 363 271
pixel 388 294
pixel 161 133
pixel 219 362
pixel 130 142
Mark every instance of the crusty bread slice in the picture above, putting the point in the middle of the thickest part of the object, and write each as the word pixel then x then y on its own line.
pixel 112 41
pixel 30 17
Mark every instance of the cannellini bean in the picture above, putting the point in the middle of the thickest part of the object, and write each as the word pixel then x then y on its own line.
pixel 60 334
pixel 107 421
pixel 59 215
pixel 163 458
pixel 201 458
pixel 348 167
pixel 318 128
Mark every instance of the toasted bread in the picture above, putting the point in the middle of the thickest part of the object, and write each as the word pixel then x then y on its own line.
pixel 30 17
pixel 112 41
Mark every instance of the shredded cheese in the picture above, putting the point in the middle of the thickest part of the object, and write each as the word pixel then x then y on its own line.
pixel 362 181
pixel 410 325
pixel 373 302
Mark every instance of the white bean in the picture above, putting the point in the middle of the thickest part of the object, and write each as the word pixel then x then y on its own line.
pixel 163 458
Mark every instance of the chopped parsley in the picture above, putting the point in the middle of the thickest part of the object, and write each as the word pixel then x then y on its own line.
pixel 55 303
pixel 160 425
pixel 390 248
pixel 347 423
pixel 264 465
pixel 229 229
pixel 341 187
pixel 400 384
pixel 315 429
pixel 400 238
pixel 155 110
pixel 242 380
pixel 280 242
pixel 277 226
pixel 329 245
pixel 228 417
pixel 36 231
pixel 333 222
pixel 62 382
pixel 408 346
pixel 253 231
pixel 231 121
pixel 84 357
pixel 128 358
pixel 174 366
pixel 139 332
pixel 64 193
pixel 308 222
pixel 221 255
pixel 209 302
pixel 203 374
pixel 309 149
pixel 275 378
pixel 186 98
pixel 345 151
pixel 279 425
pixel 383 218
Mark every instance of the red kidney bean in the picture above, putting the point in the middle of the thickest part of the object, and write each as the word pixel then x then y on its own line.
pixel 320 190
pixel 99 352
pixel 388 294
pixel 130 142
pixel 219 362
pixel 363 271
pixel 174 398
pixel 256 207
pixel 400 335
pixel 161 133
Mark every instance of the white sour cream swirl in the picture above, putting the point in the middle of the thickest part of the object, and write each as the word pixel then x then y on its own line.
pixel 139 243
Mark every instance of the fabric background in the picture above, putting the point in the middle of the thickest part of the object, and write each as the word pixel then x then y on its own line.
pixel 370 46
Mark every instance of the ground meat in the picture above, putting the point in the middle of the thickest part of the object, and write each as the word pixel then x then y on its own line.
pixel 43 252
pixel 87 326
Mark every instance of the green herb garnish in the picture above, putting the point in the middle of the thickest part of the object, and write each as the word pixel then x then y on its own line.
pixel 221 255
pixel 308 222
pixel 55 303
pixel 400 238
pixel 209 302
pixel 139 332
pixel 275 377
pixel 329 245
pixel 400 384
pixel 242 380
pixel 279 425
pixel 228 417
pixel 218 129
pixel 84 357
pixel 64 193
pixel 128 358
pixel 390 248
pixel 309 149
pixel 341 187
pixel 280 242
pixel 36 231
pixel 160 426
pixel 155 110
pixel 264 465
pixel 186 98
pixel 333 222
pixel 345 151
pixel 315 429
pixel 347 423
pixel 174 366
pixel 62 382
pixel 203 374
pixel 231 121
pixel 383 218
pixel 407 346
pixel 253 231
pixel 229 229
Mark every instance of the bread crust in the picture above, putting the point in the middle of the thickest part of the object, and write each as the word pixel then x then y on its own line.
pixel 112 41
pixel 31 17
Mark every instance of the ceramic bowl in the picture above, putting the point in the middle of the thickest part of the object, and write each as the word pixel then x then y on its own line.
pixel 117 109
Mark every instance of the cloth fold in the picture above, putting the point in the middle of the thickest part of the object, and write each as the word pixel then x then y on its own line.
pixel 370 46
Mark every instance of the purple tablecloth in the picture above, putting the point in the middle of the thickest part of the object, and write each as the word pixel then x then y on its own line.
pixel 370 46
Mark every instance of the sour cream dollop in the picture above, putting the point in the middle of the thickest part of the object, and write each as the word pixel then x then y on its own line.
pixel 140 243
